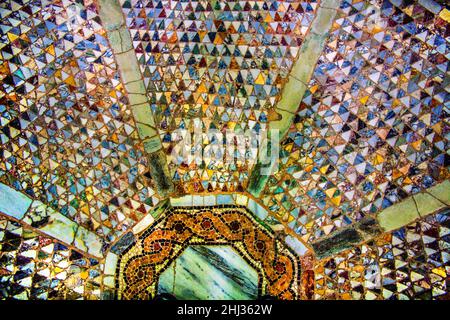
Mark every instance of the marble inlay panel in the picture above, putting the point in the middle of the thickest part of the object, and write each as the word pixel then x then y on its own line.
pixel 210 272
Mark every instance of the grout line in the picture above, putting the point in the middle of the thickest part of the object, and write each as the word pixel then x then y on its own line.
pixel 417 207
pixel 426 191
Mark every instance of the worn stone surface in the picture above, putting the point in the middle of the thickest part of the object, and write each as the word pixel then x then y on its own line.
pixel 111 263
pixel 268 166
pixel 160 172
pixel 136 98
pixel 338 241
pixel 120 39
pixel 143 224
pixel 146 131
pixel 124 242
pixel 225 199
pixel 257 210
pixel 368 227
pixel 136 87
pixel 111 14
pixel 256 181
pixel 142 114
pixel 129 70
pixel 292 95
pixel 299 248
pixel 324 20
pixel 441 191
pixel 60 227
pixel 427 204
pixel 38 215
pixel 285 118
pixel 310 52
pixel 153 145
pixel 181 201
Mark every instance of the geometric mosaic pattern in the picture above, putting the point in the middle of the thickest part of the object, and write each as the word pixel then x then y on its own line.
pixel 372 128
pixel 410 263
pixel 357 206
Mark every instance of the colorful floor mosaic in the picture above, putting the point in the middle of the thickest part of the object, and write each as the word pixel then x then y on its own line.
pixel 95 204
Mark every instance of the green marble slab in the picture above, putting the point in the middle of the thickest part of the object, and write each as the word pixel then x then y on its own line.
pixel 210 273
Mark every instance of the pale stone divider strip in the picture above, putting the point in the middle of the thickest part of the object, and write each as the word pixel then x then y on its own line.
pixel 403 213
pixel 43 219
pixel 296 86
pixel 119 38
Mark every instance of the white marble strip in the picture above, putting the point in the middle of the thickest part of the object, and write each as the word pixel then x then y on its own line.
pixel 44 219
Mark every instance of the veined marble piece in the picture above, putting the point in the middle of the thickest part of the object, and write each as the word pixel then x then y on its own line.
pixel 210 272
pixel 60 227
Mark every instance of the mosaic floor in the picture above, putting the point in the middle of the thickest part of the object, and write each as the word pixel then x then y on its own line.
pixel 100 201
